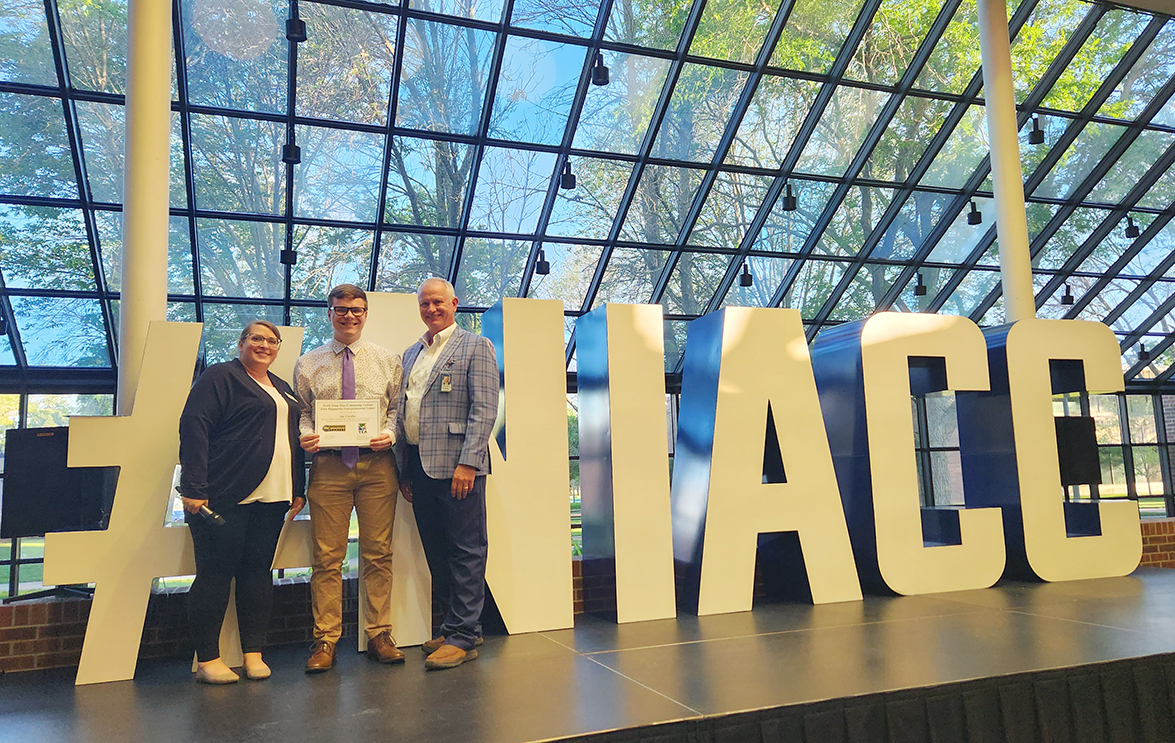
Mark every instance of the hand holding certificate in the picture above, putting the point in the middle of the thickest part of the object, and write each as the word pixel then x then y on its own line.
pixel 346 422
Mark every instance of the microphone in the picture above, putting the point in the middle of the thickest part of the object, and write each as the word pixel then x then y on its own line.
pixel 211 516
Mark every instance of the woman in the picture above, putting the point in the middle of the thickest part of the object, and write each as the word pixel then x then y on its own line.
pixel 240 457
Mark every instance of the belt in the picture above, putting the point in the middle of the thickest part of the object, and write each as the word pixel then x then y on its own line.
pixel 363 452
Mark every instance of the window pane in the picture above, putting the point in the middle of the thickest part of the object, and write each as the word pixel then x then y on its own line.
pixel 95 43
pixel 588 210
pixel 49 411
pixel 787 232
pixel 647 23
pixel 241 259
pixel 443 80
pixel 1145 79
pixel 772 121
pixel 45 247
pixel 25 52
pixel 856 217
pixel 693 281
pixel 768 274
pixel 339 175
pixel 630 275
pixel 812 287
pixel 490 269
pixel 535 90
pixel 486 10
pixel 901 146
pixel 1113 472
pixel 1077 162
pixel 946 470
pixel 615 116
pixel 1141 409
pixel 345 64
pixel 728 210
pixel 1040 40
pixel 563 17
pixel 407 259
pixel 61 331
pixel 889 44
pixel 34 153
pixel 179 252
pixel 698 112
pixel 511 187
pixel 1132 166
pixel 842 129
pixel 963 151
pixel 1104 410
pixel 223 324
pixel 1112 37
pixel 1148 475
pixel 733 29
pixel 237 165
pixel 955 59
pixel 659 207
pixel 814 33
pixel 427 182
pixel 572 268
pixel 328 257
pixel 237 54
pixel 9 418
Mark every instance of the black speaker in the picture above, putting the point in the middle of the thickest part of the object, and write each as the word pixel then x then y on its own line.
pixel 1077 451
pixel 42 494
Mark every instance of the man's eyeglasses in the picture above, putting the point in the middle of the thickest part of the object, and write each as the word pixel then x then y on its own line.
pixel 258 340
pixel 344 311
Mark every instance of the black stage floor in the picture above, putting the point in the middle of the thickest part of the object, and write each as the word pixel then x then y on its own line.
pixel 602 677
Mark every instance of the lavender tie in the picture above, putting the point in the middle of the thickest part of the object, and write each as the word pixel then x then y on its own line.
pixel 350 453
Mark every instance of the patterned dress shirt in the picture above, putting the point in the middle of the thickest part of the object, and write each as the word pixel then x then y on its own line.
pixel 318 375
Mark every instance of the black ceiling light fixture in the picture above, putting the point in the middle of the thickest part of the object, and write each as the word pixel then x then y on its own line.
pixel 541 266
pixel 746 278
pixel 1131 227
pixel 567 180
pixel 291 154
pixel 1143 354
pixel 920 288
pixel 974 216
pixel 599 71
pixel 1067 297
pixel 295 30
pixel 289 257
pixel 1036 136
pixel 789 199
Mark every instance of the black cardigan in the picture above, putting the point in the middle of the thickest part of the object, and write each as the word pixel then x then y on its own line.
pixel 227 433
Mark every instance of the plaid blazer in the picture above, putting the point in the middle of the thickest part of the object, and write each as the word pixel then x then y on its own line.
pixel 454 426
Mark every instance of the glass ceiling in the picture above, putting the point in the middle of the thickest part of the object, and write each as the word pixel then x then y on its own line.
pixel 838 151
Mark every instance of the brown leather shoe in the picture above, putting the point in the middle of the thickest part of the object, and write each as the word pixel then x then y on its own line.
pixel 322 657
pixel 383 648
pixel 448 656
pixel 431 646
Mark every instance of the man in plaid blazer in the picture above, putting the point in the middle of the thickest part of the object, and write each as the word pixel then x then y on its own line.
pixel 448 403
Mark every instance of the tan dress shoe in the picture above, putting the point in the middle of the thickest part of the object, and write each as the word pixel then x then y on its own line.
pixel 383 648
pixel 322 657
pixel 257 670
pixel 448 656
pixel 431 646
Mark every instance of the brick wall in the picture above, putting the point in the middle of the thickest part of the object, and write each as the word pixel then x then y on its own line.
pixel 1158 543
pixel 48 633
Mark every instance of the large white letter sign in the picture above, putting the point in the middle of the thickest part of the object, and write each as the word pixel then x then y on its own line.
pixel 136 548
pixel 528 505
pixel 745 370
pixel 866 372
pixel 624 457
pixel 1009 433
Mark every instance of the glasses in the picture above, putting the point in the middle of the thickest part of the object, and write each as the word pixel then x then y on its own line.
pixel 344 311
pixel 258 340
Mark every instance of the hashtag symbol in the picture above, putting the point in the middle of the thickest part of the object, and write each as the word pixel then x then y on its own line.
pixel 137 547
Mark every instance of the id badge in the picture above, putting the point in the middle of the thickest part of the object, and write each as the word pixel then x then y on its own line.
pixel 447 383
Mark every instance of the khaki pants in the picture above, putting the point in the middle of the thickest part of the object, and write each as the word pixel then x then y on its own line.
pixel 370 489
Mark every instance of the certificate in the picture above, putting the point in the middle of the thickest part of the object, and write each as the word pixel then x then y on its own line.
pixel 346 422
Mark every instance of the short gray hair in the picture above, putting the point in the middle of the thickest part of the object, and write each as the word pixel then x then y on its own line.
pixel 448 287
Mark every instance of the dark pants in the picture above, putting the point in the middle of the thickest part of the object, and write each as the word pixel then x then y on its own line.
pixel 243 549
pixel 453 533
